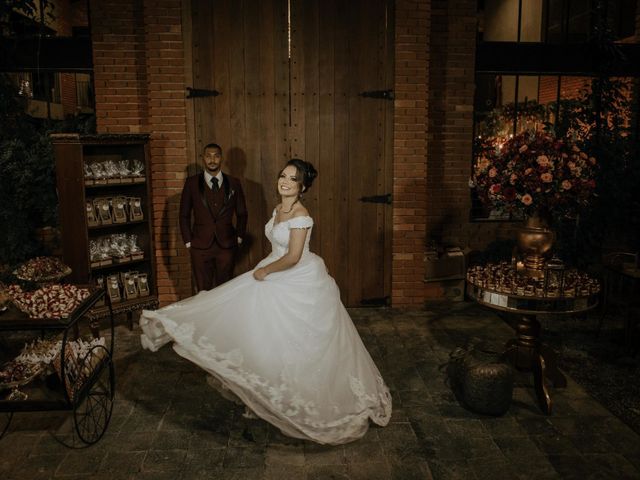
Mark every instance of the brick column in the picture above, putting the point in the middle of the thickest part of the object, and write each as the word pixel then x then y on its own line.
pixel 140 88
pixel 119 66
pixel 453 35
pixel 412 55
pixel 168 128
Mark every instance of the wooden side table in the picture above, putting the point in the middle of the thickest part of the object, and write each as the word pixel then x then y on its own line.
pixel 526 350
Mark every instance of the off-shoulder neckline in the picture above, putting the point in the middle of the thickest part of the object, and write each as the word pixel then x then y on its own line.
pixel 289 219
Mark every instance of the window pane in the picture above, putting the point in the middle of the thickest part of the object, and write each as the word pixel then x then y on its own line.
pixel 531 22
pixel 500 21
pixel 621 17
pixel 579 21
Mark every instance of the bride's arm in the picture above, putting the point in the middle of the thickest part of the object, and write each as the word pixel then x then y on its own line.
pixel 297 237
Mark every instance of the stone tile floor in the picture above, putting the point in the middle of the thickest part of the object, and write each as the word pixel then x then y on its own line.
pixel 169 424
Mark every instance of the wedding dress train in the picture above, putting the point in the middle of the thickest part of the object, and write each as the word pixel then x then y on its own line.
pixel 285 346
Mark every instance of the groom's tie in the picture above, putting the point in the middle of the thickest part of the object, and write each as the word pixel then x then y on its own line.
pixel 214 184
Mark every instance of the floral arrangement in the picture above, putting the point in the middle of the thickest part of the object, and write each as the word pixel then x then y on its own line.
pixel 534 172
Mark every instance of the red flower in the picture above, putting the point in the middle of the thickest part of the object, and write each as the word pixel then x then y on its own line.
pixel 509 194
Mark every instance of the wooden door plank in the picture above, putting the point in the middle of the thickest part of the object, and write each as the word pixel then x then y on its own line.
pixel 188 45
pixel 341 206
pixel 370 145
pixel 264 197
pixel 297 79
pixel 387 57
pixel 218 116
pixel 327 167
pixel 357 244
pixel 245 153
pixel 281 95
pixel 311 114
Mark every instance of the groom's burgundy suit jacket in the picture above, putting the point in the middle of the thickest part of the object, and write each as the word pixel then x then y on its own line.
pixel 212 212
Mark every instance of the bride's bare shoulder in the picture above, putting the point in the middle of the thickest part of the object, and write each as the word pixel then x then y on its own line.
pixel 300 211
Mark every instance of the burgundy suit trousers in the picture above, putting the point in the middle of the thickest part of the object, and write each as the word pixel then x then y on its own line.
pixel 212 266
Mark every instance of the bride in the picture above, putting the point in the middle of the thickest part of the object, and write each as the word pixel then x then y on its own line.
pixel 279 337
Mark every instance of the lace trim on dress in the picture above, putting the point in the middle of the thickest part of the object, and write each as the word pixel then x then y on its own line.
pixel 301 413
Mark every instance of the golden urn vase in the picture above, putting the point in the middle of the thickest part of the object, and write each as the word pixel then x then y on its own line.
pixel 535 240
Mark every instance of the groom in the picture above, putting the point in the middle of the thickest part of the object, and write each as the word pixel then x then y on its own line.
pixel 213 198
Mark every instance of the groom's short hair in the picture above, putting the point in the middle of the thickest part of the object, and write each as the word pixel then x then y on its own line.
pixel 212 145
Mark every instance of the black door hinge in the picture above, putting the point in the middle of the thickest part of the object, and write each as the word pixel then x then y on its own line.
pixel 382 94
pixel 200 92
pixel 386 198
pixel 376 302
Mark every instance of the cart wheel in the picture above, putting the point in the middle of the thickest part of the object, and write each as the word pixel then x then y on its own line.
pixel 5 421
pixel 93 406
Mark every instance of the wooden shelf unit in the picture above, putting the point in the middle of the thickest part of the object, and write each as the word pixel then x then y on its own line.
pixel 72 152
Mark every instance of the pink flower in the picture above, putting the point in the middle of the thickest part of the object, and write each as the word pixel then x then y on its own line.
pixel 528 171
pixel 571 165
pixel 493 172
pixel 523 149
pixel 546 177
pixel 527 199
pixel 513 178
pixel 495 188
pixel 566 185
pixel 592 160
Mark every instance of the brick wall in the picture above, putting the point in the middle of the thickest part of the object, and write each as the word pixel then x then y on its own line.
pixel 451 80
pixel 168 143
pixel 139 84
pixel 410 150
pixel 570 87
pixel 119 66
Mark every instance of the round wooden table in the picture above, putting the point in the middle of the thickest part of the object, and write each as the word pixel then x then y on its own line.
pixel 527 351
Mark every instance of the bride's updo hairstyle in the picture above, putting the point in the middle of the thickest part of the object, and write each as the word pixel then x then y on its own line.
pixel 305 173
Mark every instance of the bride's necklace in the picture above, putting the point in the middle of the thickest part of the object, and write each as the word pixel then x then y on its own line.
pixel 290 209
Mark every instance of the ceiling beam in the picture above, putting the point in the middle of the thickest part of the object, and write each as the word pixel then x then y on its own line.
pixel 548 59
pixel 68 54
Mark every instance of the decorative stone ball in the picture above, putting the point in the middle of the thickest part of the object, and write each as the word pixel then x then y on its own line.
pixel 487 388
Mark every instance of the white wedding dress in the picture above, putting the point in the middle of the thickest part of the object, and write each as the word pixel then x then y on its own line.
pixel 285 346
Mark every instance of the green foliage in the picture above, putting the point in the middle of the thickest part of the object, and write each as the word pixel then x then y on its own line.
pixel 29 8
pixel 28 198
pixel 601 122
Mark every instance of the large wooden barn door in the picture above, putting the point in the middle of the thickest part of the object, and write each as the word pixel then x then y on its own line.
pixel 307 79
